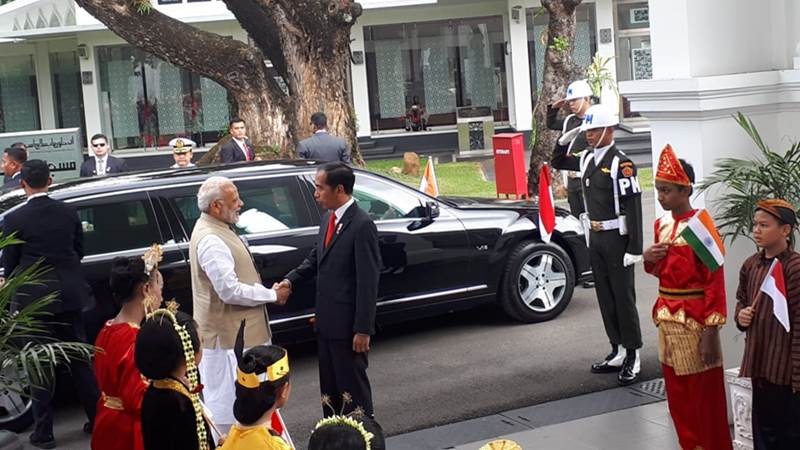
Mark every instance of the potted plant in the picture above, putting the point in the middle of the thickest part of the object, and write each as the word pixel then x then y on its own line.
pixel 28 356
pixel 599 76
pixel 741 183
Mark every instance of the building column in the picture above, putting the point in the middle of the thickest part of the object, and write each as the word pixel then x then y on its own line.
pixel 604 10
pixel 91 94
pixel 44 86
pixel 358 75
pixel 518 72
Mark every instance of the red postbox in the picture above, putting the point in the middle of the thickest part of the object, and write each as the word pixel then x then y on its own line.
pixel 509 164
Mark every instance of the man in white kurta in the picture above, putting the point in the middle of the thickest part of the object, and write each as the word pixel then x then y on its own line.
pixel 226 289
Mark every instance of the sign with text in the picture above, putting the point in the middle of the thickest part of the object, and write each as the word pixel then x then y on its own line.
pixel 62 149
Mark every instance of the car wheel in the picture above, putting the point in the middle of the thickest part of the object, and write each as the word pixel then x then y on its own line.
pixel 537 283
pixel 16 413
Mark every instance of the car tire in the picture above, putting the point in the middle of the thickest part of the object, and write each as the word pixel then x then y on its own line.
pixel 538 282
pixel 16 411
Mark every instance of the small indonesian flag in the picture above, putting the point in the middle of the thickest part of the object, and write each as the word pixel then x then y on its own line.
pixel 547 212
pixel 775 288
pixel 429 185
pixel 701 234
pixel 279 427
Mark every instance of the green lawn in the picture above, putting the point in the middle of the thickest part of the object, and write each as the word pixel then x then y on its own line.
pixel 464 179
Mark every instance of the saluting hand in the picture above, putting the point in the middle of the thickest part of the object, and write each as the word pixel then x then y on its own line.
pixel 361 343
pixel 656 253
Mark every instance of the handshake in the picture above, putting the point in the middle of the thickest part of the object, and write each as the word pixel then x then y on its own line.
pixel 283 290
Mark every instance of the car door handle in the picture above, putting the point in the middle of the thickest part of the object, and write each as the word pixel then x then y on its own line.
pixel 173 265
pixel 271 249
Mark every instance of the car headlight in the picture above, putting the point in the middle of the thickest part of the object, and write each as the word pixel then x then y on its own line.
pixel 567 224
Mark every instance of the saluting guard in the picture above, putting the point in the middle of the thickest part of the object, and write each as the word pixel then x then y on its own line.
pixel 579 99
pixel 613 226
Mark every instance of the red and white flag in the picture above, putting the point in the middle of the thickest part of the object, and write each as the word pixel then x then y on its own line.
pixel 279 427
pixel 775 287
pixel 547 211
pixel 429 185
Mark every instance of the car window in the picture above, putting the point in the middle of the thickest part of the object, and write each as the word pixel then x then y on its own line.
pixel 269 205
pixel 383 200
pixel 111 227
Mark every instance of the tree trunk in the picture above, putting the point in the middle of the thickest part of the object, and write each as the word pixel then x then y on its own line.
pixel 307 42
pixel 559 70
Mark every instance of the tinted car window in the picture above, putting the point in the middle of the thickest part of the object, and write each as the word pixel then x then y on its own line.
pixel 112 227
pixel 383 200
pixel 269 205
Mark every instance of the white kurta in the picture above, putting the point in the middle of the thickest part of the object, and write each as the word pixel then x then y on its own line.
pixel 218 366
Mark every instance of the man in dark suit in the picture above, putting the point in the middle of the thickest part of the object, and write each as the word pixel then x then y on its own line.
pixel 13 158
pixel 58 243
pixel 322 146
pixel 239 148
pixel 102 163
pixel 346 263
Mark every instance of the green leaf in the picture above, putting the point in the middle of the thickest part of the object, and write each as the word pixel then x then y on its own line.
pixel 740 183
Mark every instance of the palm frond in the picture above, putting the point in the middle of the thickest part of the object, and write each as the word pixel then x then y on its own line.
pixel 741 183
pixel 28 354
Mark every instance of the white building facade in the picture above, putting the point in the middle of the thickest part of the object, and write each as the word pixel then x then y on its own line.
pixel 62 68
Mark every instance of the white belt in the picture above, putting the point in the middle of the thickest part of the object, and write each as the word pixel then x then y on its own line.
pixel 605 225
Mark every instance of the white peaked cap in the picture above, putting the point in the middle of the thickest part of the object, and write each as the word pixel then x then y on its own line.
pixel 598 116
pixel 578 89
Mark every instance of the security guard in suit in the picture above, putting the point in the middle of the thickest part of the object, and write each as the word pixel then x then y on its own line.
pixel 613 224
pixel 579 99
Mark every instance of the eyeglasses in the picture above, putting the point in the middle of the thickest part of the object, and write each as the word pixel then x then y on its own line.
pixel 100 144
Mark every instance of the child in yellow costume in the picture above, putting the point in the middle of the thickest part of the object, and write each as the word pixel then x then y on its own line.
pixel 262 387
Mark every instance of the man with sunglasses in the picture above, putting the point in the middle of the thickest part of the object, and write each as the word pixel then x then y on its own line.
pixel 102 164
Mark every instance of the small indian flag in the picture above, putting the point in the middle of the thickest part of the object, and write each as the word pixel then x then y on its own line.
pixel 701 234
pixel 429 185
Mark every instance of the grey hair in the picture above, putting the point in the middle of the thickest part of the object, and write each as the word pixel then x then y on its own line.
pixel 211 190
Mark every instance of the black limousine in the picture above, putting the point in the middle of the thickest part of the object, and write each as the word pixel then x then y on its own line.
pixel 439 254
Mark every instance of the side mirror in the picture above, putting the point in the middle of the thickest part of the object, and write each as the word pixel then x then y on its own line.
pixel 431 210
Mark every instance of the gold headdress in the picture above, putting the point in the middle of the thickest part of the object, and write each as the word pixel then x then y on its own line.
pixel 501 444
pixel 274 372
pixel 350 422
pixel 191 372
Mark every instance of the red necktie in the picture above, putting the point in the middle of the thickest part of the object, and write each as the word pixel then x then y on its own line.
pixel 331 226
pixel 246 151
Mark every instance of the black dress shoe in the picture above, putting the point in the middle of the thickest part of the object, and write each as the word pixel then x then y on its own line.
pixel 629 373
pixel 43 442
pixel 610 364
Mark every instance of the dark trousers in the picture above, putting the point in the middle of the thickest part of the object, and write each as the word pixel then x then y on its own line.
pixel 776 417
pixel 575 196
pixel 341 370
pixel 614 285
pixel 66 327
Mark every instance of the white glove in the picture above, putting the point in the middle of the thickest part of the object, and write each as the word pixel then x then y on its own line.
pixel 567 137
pixel 629 260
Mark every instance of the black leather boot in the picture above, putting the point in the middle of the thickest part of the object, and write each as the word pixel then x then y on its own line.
pixel 629 373
pixel 612 362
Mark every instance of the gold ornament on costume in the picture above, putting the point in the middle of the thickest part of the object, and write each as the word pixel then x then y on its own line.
pixel 151 258
pixel 501 444
pixel 274 372
pixel 191 373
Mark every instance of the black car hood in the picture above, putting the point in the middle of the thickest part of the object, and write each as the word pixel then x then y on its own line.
pixel 496 203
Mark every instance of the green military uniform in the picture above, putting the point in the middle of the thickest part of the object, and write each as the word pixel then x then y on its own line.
pixel 614 283
pixel 579 144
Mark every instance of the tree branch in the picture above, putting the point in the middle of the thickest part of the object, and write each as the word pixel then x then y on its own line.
pixel 262 29
pixel 224 60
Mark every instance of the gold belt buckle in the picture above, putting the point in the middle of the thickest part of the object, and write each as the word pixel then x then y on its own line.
pixel 597 226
